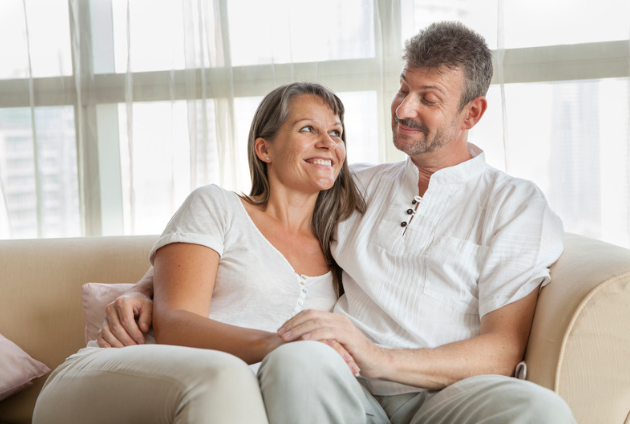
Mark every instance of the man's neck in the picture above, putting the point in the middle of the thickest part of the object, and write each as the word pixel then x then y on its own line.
pixel 430 163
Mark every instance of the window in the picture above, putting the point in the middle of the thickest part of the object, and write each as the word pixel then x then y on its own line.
pixel 113 110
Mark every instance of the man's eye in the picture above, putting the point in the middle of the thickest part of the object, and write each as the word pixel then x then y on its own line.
pixel 427 102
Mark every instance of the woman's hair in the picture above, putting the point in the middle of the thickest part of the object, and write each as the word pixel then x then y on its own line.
pixel 333 205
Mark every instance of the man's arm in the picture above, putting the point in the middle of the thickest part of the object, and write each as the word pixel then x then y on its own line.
pixel 120 327
pixel 497 350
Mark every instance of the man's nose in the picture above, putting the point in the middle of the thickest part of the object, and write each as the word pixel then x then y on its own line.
pixel 408 108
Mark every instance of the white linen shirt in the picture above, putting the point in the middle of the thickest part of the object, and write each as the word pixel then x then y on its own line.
pixel 478 240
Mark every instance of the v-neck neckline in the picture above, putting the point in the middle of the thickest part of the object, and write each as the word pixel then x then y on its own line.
pixel 240 201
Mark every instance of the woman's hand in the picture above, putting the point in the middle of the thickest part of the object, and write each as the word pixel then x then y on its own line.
pixel 126 319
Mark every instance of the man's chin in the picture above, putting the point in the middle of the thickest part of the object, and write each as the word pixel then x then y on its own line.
pixel 408 146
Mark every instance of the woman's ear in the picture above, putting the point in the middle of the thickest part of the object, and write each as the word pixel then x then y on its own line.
pixel 261 146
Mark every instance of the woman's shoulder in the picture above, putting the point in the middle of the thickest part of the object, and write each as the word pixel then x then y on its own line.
pixel 210 190
pixel 211 199
pixel 213 193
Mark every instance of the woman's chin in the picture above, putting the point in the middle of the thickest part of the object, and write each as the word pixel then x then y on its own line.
pixel 326 185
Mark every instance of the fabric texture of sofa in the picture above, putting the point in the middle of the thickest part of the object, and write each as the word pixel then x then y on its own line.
pixel 578 347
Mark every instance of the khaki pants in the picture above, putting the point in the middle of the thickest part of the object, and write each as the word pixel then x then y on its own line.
pixel 308 382
pixel 151 384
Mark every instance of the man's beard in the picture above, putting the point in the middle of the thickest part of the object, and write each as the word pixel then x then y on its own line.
pixel 420 146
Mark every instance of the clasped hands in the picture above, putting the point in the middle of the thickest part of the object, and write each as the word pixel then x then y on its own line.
pixel 130 315
pixel 337 331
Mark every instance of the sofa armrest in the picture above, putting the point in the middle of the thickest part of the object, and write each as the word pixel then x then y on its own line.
pixel 579 346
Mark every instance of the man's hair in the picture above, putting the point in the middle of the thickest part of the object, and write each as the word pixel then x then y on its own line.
pixel 452 45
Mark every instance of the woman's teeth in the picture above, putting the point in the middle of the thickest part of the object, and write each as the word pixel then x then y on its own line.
pixel 321 162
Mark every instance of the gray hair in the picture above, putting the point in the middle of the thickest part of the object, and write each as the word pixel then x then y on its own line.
pixel 454 46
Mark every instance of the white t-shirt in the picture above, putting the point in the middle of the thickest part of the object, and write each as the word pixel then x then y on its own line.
pixel 478 241
pixel 255 286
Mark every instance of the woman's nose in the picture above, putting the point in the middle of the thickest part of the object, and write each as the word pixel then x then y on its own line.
pixel 326 141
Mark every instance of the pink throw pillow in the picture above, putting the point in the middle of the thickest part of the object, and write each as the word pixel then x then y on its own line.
pixel 96 297
pixel 17 368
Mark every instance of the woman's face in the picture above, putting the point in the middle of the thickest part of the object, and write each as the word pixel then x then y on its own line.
pixel 308 152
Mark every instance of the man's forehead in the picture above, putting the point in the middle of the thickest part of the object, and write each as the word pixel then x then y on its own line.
pixel 436 74
pixel 440 70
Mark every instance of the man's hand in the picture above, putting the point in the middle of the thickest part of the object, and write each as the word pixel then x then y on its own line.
pixel 120 327
pixel 345 355
pixel 327 326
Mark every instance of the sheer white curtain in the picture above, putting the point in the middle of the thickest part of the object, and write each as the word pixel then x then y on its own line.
pixel 112 111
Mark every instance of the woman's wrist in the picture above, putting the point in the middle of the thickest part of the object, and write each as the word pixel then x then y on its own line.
pixel 271 342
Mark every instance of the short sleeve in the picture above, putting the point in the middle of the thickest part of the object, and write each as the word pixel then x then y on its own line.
pixel 527 240
pixel 202 219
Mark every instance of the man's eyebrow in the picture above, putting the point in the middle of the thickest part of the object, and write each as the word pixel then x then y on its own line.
pixel 424 87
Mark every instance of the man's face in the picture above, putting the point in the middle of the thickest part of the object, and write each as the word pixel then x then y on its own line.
pixel 425 111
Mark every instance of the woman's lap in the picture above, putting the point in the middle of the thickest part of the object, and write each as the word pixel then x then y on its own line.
pixel 151 383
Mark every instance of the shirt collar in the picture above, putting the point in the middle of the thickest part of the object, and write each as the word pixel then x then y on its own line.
pixel 457 174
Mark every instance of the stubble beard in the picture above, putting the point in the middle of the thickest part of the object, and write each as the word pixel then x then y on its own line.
pixel 425 144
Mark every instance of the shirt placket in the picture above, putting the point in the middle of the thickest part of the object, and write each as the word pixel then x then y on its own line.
pixel 299 304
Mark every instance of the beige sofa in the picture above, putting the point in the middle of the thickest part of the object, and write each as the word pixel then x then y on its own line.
pixel 579 347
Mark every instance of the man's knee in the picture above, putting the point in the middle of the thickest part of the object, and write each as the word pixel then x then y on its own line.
pixel 303 357
pixel 527 402
pixel 309 381
pixel 542 405
pixel 499 399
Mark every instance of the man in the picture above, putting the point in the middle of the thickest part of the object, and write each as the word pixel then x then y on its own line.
pixel 441 274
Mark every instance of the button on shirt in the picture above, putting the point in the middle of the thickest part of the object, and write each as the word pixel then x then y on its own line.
pixel 476 241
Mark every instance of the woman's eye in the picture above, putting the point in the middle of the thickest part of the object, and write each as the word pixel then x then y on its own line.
pixel 307 128
pixel 335 133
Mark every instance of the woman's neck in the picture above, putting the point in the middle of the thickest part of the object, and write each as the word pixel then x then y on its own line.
pixel 292 211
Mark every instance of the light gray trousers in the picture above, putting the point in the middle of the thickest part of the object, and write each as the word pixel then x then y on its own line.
pixel 308 382
pixel 151 384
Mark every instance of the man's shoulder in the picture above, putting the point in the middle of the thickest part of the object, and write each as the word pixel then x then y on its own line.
pixel 370 168
pixel 367 172
pixel 503 184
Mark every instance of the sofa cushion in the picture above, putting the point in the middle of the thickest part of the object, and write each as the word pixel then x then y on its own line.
pixel 17 368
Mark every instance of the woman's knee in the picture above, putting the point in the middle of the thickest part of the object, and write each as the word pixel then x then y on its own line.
pixel 223 369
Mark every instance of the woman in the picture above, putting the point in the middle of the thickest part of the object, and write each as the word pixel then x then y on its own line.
pixel 229 271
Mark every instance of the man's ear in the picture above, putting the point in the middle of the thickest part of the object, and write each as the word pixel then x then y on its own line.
pixel 474 111
pixel 261 147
